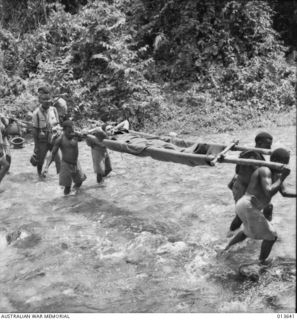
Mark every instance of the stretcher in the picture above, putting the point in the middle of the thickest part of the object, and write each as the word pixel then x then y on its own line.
pixel 184 152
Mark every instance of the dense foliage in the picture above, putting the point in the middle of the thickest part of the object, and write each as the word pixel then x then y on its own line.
pixel 189 63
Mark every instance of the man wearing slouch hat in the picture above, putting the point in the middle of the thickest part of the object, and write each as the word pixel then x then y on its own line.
pixel 45 117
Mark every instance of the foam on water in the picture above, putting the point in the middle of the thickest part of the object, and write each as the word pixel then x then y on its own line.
pixel 146 241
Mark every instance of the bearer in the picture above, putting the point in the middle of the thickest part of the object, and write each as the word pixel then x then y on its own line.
pixel 45 117
pixel 61 106
pixel 240 181
pixel 263 185
pixel 70 168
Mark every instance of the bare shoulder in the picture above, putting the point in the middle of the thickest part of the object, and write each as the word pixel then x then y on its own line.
pixel 58 140
pixel 264 171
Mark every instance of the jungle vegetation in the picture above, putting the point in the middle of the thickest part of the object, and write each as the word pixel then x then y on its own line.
pixel 184 65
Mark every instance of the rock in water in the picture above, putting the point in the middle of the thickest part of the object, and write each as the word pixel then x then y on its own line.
pixel 29 241
pixel 22 239
pixel 13 236
pixel 251 271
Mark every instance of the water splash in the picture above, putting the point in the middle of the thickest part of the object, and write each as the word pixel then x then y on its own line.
pixel 147 241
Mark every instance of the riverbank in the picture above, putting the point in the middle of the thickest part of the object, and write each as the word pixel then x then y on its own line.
pixel 188 122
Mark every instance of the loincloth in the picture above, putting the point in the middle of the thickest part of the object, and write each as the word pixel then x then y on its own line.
pixel 98 157
pixel 248 208
pixel 70 172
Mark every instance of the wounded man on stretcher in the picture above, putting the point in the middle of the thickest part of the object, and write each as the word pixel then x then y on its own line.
pixel 122 134
pixel 121 139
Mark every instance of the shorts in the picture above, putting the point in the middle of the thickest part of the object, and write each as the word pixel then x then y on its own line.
pixel 255 224
pixel 71 172
pixel 98 156
pixel 41 150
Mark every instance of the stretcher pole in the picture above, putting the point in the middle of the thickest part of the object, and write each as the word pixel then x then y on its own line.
pixel 261 150
pixel 251 162
pixel 221 155
pixel 189 143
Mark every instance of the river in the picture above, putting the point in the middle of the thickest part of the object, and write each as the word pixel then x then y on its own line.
pixel 144 241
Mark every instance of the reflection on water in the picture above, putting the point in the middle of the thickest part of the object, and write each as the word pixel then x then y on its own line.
pixel 146 241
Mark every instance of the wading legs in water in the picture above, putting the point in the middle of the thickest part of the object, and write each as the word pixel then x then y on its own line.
pixel 67 190
pixel 99 177
pixel 108 168
pixel 267 211
pixel 235 224
pixel 266 249
pixel 240 236
pixel 39 169
pixel 77 185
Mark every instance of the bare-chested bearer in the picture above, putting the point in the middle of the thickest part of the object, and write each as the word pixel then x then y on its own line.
pixel 100 156
pixel 240 181
pixel 70 168
pixel 263 185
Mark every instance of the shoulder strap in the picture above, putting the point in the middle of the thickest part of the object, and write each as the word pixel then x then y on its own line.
pixel 38 119
pixel 57 114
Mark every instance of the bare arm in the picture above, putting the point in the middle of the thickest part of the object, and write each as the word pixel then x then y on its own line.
pixel 96 136
pixel 93 130
pixel 285 192
pixel 269 188
pixel 100 144
pixel 55 149
pixel 98 133
pixel 93 141
pixel 35 135
pixel 35 123
pixel 122 125
pixel 78 136
pixel 50 156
